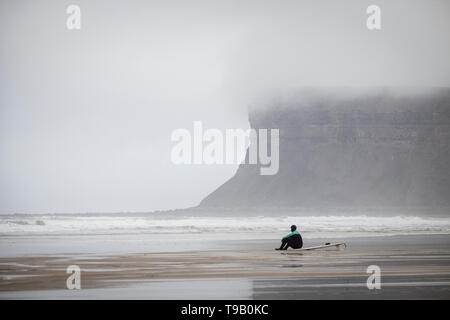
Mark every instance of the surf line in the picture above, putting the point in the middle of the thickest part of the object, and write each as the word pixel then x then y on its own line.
pixel 210 147
pixel 198 310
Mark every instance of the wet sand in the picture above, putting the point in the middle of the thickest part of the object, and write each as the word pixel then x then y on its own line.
pixel 416 267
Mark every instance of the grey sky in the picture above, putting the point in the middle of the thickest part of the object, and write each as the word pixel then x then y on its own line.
pixel 86 116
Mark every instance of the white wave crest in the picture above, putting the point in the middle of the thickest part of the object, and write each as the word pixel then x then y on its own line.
pixel 313 226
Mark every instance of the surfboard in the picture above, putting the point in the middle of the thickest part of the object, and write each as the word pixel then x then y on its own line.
pixel 339 246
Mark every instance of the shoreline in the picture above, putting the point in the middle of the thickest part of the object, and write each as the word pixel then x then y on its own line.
pixel 418 262
pixel 108 244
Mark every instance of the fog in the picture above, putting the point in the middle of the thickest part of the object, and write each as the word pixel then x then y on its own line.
pixel 86 115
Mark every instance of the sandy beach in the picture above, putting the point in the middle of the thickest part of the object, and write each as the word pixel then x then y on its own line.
pixel 412 267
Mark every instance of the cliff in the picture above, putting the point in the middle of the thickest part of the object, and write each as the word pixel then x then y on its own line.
pixel 345 147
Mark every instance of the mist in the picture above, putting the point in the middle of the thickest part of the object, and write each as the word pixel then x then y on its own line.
pixel 86 116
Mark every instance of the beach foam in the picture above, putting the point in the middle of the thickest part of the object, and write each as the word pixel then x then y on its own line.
pixel 313 226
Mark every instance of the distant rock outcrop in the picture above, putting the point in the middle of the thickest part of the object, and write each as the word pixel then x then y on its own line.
pixel 344 147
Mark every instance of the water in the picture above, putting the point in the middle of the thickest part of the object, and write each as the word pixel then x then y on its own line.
pixel 24 234
pixel 312 226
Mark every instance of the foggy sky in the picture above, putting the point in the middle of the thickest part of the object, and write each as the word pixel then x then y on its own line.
pixel 86 116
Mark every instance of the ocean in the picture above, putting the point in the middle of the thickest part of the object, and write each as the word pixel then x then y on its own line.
pixel 312 226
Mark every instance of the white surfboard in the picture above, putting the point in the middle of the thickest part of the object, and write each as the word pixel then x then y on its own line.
pixel 339 246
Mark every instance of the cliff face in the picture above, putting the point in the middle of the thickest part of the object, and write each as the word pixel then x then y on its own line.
pixel 347 148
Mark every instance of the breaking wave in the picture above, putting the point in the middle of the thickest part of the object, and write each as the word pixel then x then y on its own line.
pixel 313 226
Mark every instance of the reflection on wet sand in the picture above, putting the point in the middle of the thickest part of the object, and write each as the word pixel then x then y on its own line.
pixel 241 274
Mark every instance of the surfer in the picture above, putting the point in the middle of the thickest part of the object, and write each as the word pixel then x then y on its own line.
pixel 293 240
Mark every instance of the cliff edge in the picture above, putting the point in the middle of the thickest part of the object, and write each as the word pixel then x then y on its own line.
pixel 347 147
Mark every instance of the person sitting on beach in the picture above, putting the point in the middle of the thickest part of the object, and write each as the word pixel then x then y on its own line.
pixel 293 240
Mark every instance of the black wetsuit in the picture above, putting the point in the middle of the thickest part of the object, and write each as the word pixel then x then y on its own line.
pixel 293 240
